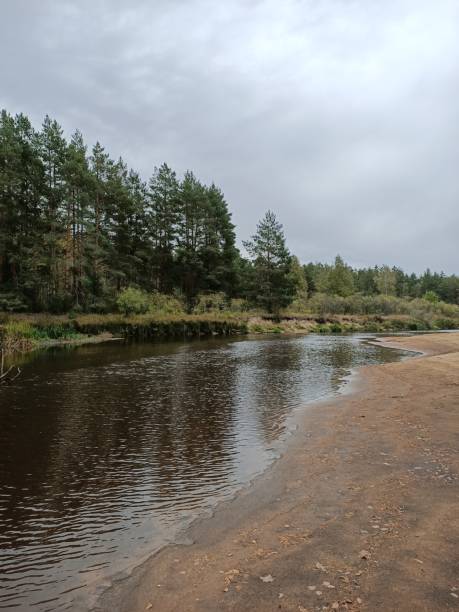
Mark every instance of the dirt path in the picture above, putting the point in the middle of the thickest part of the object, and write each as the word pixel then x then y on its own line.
pixel 361 513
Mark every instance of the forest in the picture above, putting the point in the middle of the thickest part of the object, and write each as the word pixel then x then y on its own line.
pixel 83 233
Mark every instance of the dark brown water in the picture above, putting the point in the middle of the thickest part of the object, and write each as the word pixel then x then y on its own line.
pixel 108 451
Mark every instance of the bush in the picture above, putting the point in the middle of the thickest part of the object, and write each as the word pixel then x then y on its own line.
pixel 431 296
pixel 445 324
pixel 133 301
pixel 211 302
pixel 160 303
pixel 239 305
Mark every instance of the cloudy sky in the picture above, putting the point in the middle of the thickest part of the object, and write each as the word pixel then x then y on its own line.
pixel 342 116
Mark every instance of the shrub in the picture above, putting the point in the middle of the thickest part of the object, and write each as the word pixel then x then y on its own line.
pixel 445 324
pixel 239 305
pixel 211 302
pixel 160 303
pixel 335 328
pixel 133 301
pixel 431 296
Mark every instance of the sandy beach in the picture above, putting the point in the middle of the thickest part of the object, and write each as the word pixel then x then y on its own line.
pixel 360 513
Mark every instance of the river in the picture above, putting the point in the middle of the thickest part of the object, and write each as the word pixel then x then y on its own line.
pixel 109 451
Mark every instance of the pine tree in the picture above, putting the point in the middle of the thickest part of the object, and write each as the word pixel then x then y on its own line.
pixel 21 186
pixel 273 288
pixel 78 198
pixel 53 152
pixel 190 237
pixel 98 225
pixel 219 253
pixel 163 220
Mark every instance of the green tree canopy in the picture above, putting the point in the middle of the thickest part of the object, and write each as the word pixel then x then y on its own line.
pixel 273 287
pixel 337 279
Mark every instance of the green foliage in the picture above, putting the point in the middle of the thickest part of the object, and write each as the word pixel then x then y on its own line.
pixel 422 311
pixel 337 279
pixel 41 330
pixel 385 280
pixel 212 302
pixel 133 301
pixel 273 287
pixel 446 323
pixel 11 302
pixel 20 329
pixel 78 228
pixel 298 277
pixel 431 296
pixel 161 303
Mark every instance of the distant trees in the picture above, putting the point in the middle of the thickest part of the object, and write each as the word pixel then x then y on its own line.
pixel 385 280
pixel 337 279
pixel 298 277
pixel 272 284
pixel 78 228
pixel 342 280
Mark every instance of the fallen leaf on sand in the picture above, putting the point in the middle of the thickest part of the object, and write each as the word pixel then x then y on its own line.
pixel 267 578
pixel 320 567
pixel 149 606
pixel 364 554
pixel 312 588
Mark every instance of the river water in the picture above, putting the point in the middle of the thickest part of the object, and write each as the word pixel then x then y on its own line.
pixel 108 451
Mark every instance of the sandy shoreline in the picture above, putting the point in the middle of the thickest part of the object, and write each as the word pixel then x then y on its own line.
pixel 361 512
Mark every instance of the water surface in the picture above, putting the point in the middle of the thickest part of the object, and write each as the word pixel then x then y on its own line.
pixel 108 451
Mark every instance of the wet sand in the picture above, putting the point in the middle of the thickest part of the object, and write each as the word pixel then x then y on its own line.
pixel 360 513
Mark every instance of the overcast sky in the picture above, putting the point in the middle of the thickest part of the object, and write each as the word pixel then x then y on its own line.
pixel 342 116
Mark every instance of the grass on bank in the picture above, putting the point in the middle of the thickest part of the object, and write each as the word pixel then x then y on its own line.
pixel 164 316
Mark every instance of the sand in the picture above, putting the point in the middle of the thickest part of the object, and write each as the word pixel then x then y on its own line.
pixel 360 513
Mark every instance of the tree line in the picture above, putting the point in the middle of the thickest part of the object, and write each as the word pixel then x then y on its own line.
pixel 77 228
pixel 340 279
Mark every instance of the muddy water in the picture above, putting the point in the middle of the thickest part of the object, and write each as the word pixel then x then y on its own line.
pixel 108 451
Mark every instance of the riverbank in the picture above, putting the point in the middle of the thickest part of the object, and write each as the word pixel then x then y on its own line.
pixel 361 512
pixel 25 332
pixel 22 333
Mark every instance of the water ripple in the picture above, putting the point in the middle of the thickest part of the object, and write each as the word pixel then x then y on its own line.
pixel 106 452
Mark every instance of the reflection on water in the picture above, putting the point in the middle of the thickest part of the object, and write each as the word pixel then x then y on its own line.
pixel 107 451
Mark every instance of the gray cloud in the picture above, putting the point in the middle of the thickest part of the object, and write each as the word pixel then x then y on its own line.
pixel 340 115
